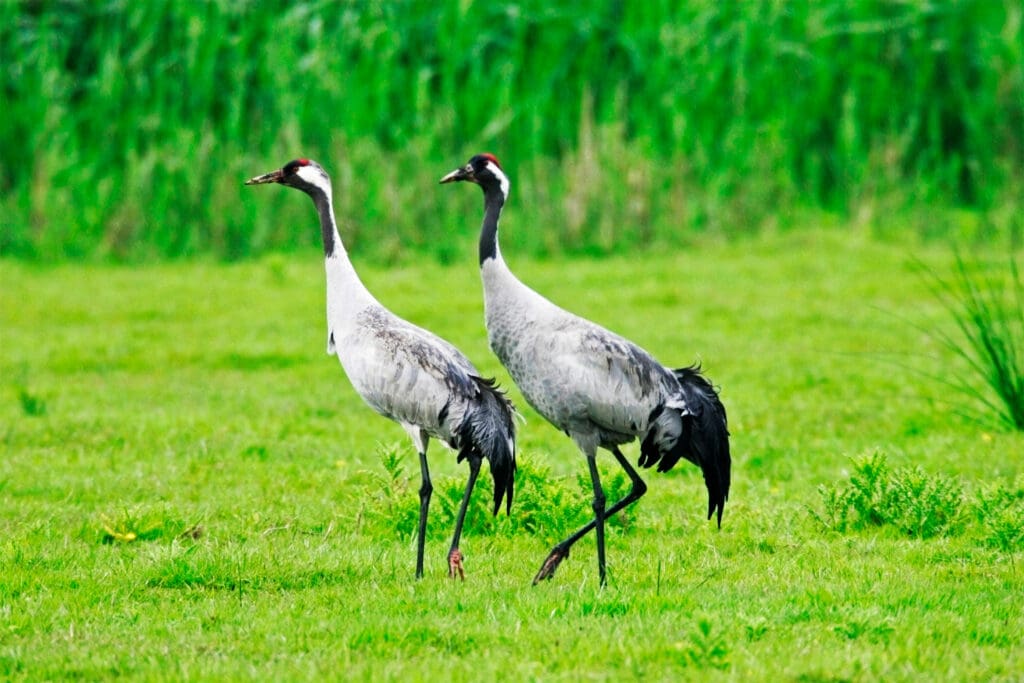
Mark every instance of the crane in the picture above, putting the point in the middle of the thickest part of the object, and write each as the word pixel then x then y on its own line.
pixel 599 388
pixel 406 373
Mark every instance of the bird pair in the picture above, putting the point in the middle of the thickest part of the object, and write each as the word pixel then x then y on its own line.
pixel 599 388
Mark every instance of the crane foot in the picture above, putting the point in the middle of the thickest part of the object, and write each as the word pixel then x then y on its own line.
pixel 554 558
pixel 455 564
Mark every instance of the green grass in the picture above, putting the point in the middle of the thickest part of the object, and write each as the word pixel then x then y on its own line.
pixel 988 308
pixel 128 126
pixel 190 490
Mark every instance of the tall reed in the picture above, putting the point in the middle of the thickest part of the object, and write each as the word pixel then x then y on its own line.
pixel 127 127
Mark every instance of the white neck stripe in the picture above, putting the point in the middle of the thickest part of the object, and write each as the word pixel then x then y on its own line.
pixel 502 178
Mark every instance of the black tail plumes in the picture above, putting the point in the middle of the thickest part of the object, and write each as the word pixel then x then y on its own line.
pixel 489 432
pixel 693 427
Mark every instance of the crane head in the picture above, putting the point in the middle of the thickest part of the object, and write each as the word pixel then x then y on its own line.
pixel 302 174
pixel 484 170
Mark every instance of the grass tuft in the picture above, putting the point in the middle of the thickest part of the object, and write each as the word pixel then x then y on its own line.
pixel 989 313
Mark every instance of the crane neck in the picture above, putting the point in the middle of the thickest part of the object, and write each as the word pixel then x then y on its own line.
pixel 328 225
pixel 494 200
pixel 345 291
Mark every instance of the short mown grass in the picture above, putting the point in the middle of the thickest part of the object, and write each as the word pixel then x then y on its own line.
pixel 190 489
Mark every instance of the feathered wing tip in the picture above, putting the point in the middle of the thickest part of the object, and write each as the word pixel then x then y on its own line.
pixel 489 431
pixel 697 430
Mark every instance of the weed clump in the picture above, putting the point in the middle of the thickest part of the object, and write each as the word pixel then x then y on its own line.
pixel 999 512
pixel 919 505
pixel 923 506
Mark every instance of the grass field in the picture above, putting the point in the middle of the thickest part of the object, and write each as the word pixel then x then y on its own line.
pixel 190 490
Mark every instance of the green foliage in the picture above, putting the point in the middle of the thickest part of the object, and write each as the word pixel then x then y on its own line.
pixel 876 632
pixel 989 312
pixel 546 505
pixel 923 506
pixel 31 404
pixel 391 501
pixel 999 510
pixel 621 123
pixel 917 504
pixel 706 650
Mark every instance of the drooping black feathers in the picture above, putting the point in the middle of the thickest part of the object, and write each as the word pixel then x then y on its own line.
pixel 488 431
pixel 695 428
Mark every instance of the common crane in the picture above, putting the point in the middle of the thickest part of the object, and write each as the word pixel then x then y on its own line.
pixel 406 373
pixel 599 388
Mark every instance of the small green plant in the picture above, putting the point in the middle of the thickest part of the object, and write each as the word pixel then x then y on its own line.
pixel 545 505
pixel 32 404
pixel 999 511
pixel 918 504
pixel 756 629
pixel 989 312
pixel 865 498
pixel 922 505
pixel 874 632
pixel 616 487
pixel 389 497
pixel 707 650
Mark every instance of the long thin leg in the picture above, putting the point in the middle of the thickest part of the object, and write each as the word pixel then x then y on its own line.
pixel 426 488
pixel 599 501
pixel 455 555
pixel 561 551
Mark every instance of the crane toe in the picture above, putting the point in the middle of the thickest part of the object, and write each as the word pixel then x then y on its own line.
pixel 455 564
pixel 554 558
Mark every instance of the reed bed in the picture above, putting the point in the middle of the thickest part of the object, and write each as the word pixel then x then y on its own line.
pixel 128 128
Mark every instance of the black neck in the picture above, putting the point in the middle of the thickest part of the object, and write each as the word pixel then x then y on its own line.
pixel 323 207
pixel 493 201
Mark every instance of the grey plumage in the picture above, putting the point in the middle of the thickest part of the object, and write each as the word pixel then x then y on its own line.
pixel 596 386
pixel 406 373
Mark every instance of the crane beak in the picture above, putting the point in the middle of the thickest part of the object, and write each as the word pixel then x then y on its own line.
pixel 461 173
pixel 272 177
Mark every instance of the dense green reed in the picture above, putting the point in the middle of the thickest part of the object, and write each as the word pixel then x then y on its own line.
pixel 128 127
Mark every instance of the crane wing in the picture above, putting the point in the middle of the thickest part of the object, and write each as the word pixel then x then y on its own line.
pixel 405 372
pixel 613 383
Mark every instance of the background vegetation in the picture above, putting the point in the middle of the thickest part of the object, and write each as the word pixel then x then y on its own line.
pixel 128 127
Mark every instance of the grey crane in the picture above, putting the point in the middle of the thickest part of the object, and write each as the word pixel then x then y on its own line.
pixel 406 373
pixel 599 388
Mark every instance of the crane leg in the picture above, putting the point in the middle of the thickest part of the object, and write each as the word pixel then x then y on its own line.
pixel 561 551
pixel 598 504
pixel 455 555
pixel 426 488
